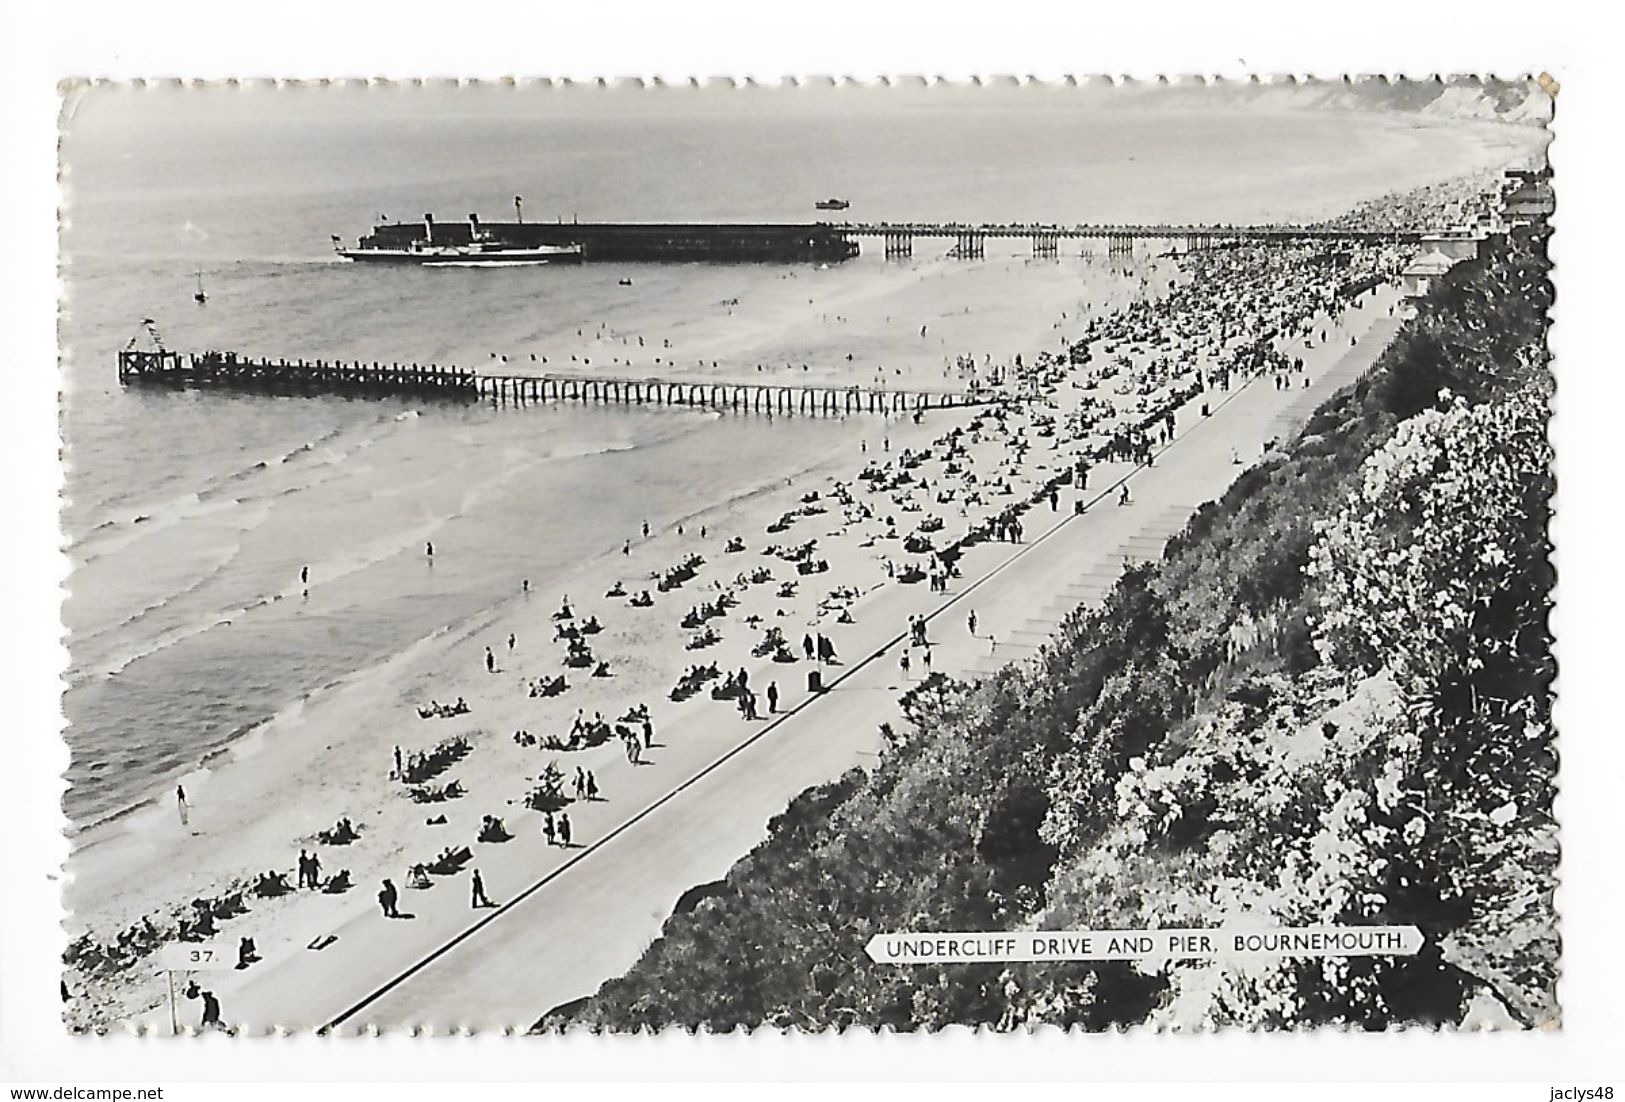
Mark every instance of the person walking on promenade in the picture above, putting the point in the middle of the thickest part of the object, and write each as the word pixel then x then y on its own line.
pixel 477 897
pixel 592 786
pixel 428 551
pixel 971 622
pixel 550 830
pixel 925 660
pixel 400 770
pixel 807 646
pixel 490 661
pixel 510 642
pixel 315 871
pixel 180 806
pixel 1123 495
pixel 580 782
pixel 564 830
pixel 648 734
pixel 387 898
pixel 902 663
pixel 772 697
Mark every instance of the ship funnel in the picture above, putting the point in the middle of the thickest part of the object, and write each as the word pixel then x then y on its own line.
pixel 428 228
pixel 474 227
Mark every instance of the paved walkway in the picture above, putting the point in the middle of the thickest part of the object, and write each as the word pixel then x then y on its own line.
pixel 567 920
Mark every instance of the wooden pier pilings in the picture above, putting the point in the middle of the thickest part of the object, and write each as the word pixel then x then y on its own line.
pixel 744 397
pixel 228 371
pixel 970 239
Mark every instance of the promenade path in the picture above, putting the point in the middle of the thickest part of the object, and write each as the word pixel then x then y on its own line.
pixel 567 920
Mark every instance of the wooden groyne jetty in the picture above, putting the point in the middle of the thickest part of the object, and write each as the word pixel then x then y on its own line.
pixel 356 379
pixel 229 371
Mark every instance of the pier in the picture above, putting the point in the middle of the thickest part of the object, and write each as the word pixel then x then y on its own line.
pixel 730 242
pixel 229 371
pixel 970 240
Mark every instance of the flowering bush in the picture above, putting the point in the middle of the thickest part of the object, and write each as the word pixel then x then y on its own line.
pixel 1433 561
pixel 1438 571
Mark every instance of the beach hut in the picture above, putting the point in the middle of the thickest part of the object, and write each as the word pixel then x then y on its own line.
pixel 1419 278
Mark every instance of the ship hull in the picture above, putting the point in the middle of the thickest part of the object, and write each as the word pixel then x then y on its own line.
pixel 509 258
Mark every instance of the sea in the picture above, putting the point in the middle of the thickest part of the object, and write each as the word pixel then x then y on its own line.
pixel 188 517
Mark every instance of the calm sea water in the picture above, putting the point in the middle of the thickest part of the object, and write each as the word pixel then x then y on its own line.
pixel 189 516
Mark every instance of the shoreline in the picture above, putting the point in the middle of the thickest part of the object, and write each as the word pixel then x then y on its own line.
pixel 467 624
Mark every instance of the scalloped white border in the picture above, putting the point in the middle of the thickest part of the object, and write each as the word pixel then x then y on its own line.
pixel 302 39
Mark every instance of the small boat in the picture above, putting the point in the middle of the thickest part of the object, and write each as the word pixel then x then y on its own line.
pixel 832 204
pixel 200 298
pixel 626 283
